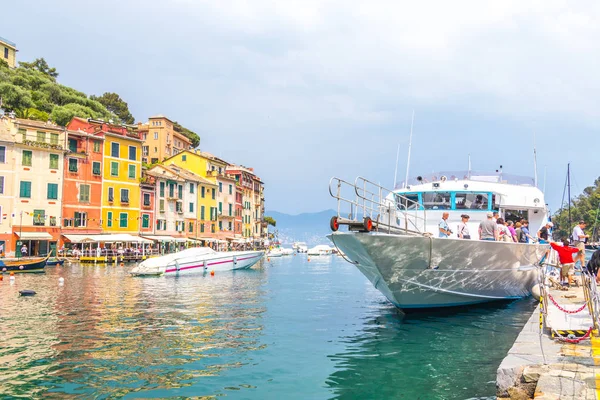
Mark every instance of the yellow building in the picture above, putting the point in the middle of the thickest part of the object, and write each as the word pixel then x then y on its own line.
pixel 8 52
pixel 209 196
pixel 161 139
pixel 121 172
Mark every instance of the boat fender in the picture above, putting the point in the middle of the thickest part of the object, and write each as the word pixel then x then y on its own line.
pixel 177 265
pixel 1 277
pixel 205 264
pixel 61 280
pixel 12 273
pixel 234 260
pixel 21 267
pixel 536 292
pixel 4 269
pixel 26 292
pixel 212 273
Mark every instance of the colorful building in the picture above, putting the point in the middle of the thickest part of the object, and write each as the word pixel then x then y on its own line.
pixel 8 52
pixel 252 210
pixel 37 157
pixel 121 173
pixel 82 184
pixel 207 167
pixel 147 206
pixel 161 139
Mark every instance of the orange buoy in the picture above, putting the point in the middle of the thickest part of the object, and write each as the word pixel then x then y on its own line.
pixel 1 277
pixel 12 273
pixel 268 258
pixel 212 273
pixel 122 265
pixel 308 259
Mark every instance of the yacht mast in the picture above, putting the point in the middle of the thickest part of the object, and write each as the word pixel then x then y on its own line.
pixel 535 178
pixel 396 169
pixel 409 147
pixel 569 191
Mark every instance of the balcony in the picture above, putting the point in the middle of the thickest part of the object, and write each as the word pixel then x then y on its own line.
pixel 42 145
pixel 77 154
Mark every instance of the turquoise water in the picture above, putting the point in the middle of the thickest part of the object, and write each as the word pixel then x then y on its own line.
pixel 286 329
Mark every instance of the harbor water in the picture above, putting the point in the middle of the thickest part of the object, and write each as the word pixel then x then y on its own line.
pixel 287 328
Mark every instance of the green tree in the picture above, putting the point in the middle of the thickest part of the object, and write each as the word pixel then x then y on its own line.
pixel 14 97
pixel 63 114
pixel 41 65
pixel 270 221
pixel 116 105
pixel 583 207
pixel 32 113
pixel 193 136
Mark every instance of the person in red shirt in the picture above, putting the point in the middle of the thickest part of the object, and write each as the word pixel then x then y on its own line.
pixel 565 257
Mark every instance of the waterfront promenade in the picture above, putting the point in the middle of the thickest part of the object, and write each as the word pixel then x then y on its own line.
pixel 553 357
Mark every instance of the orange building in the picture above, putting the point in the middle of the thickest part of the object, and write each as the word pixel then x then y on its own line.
pixel 82 184
pixel 161 139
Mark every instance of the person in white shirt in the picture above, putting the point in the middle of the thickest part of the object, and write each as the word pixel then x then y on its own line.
pixel 443 226
pixel 463 229
pixel 579 237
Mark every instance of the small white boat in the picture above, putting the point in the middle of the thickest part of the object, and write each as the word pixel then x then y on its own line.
pixel 320 250
pixel 276 252
pixel 300 247
pixel 287 252
pixel 197 260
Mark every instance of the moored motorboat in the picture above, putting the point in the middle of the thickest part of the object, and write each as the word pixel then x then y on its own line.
pixel 320 250
pixel 275 252
pixel 197 260
pixel 26 264
pixel 394 240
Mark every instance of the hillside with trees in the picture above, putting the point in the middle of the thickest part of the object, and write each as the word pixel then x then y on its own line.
pixel 583 207
pixel 33 92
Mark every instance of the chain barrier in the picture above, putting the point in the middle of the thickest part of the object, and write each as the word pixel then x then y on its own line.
pixel 568 339
pixel 564 309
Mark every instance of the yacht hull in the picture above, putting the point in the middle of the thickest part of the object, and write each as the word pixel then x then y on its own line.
pixel 416 272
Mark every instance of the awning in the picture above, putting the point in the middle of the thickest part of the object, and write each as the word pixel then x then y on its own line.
pixel 160 238
pixel 119 237
pixel 34 236
pixel 79 238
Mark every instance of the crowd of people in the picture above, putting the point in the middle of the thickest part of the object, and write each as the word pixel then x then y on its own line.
pixel 570 250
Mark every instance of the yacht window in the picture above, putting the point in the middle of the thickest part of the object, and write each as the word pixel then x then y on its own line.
pixel 407 201
pixel 436 201
pixel 472 201
pixel 515 215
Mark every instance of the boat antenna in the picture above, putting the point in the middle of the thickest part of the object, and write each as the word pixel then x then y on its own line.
pixel 469 173
pixel 544 191
pixel 569 191
pixel 535 178
pixel 409 146
pixel 396 169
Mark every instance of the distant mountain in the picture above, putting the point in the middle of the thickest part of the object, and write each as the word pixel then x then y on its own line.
pixel 306 227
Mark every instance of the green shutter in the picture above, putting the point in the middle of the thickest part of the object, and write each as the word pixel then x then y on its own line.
pixel 109 219
pixel 96 168
pixel 53 161
pixel 145 220
pixel 25 189
pixel 132 171
pixel 162 189
pixel 52 191
pixel 114 168
pixel 123 220
pixel 27 155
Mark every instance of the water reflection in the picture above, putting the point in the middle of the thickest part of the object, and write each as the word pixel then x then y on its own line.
pixel 433 356
pixel 106 334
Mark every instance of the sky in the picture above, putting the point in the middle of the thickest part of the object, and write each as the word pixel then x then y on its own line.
pixel 305 90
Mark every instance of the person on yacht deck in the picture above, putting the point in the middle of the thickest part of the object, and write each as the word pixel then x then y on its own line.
pixel 463 229
pixel 443 226
pixel 488 229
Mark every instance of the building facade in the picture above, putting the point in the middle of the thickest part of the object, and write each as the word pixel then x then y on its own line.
pixel 82 184
pixel 121 173
pixel 38 160
pixel 147 206
pixel 161 139
pixel 8 52
pixel 252 207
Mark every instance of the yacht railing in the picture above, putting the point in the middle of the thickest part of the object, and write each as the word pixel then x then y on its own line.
pixel 365 205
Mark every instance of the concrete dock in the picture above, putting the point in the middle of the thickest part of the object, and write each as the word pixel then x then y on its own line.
pixel 542 365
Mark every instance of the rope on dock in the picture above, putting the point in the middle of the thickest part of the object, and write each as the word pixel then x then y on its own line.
pixel 564 309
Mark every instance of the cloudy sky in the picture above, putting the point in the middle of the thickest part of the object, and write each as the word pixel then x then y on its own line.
pixel 304 90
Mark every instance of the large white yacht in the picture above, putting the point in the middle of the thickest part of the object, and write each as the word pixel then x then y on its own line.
pixel 394 241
